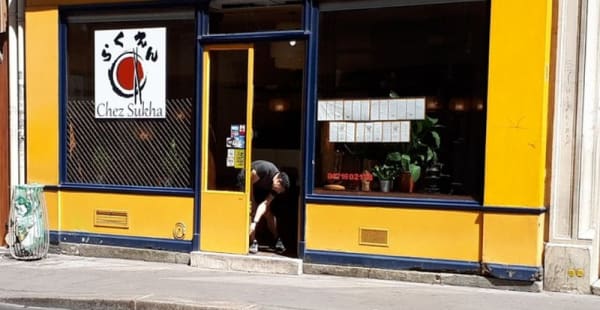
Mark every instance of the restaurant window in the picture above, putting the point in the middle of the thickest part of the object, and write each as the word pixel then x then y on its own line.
pixel 402 97
pixel 130 92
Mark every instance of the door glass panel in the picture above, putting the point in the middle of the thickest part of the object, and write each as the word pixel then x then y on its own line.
pixel 227 118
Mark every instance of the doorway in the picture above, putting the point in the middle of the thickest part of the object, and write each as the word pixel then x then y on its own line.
pixel 259 84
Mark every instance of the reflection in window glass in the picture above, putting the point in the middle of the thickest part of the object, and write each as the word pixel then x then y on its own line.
pixel 233 18
pixel 130 151
pixel 402 93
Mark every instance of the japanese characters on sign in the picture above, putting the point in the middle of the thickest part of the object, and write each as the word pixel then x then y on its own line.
pixel 130 73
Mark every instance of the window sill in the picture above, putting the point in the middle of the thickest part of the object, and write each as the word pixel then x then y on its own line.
pixel 395 199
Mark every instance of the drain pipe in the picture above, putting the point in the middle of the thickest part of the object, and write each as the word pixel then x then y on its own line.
pixel 16 75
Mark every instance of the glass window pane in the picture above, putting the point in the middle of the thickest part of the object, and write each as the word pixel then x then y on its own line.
pixel 234 18
pixel 131 152
pixel 403 89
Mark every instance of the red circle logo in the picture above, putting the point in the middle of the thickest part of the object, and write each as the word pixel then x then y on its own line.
pixel 127 74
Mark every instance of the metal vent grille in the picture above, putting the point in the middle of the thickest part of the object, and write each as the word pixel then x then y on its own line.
pixel 376 237
pixel 130 152
pixel 108 218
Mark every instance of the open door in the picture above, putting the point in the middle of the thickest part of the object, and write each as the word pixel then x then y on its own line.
pixel 226 148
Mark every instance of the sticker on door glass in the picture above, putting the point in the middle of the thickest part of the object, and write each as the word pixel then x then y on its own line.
pixel 237 138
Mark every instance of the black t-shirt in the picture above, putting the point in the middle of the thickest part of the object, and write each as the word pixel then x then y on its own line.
pixel 265 170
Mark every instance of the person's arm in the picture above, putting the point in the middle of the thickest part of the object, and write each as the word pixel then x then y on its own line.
pixel 260 210
pixel 253 179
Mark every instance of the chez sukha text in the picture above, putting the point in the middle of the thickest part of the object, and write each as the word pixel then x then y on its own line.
pixel 132 110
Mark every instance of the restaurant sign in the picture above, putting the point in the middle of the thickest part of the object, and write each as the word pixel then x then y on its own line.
pixel 130 70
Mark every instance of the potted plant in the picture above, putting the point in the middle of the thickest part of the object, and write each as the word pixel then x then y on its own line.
pixel 410 171
pixel 385 173
pixel 420 154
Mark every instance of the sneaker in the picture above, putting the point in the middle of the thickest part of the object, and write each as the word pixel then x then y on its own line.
pixel 253 247
pixel 279 247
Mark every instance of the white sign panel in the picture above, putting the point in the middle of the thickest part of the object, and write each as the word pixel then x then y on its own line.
pixel 130 70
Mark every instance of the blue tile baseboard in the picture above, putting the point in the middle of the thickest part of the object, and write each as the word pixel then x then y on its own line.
pixel 122 241
pixel 506 272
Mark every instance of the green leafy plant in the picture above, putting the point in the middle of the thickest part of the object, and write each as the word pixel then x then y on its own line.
pixel 385 172
pixel 404 163
pixel 422 150
pixel 425 141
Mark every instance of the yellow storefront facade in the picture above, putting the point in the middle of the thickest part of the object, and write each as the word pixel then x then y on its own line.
pixel 486 214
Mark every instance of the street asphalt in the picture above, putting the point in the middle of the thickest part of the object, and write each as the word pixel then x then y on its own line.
pixel 76 282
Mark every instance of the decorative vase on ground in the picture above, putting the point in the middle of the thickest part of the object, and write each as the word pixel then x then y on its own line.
pixel 432 179
pixel 28 236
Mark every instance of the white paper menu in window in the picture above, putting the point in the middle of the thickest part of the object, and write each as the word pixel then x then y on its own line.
pixel 322 110
pixel 355 110
pixel 330 110
pixel 348 110
pixel 350 129
pixel 338 113
pixel 420 108
pixel 374 110
pixel 364 110
pixel 333 132
pixel 410 109
pixel 395 129
pixel 360 132
pixel 402 109
pixel 393 109
pixel 341 132
pixel 386 132
pixel 377 132
pixel 405 131
pixel 369 132
pixel 383 110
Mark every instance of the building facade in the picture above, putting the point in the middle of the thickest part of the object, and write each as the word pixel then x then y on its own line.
pixel 138 124
pixel 572 256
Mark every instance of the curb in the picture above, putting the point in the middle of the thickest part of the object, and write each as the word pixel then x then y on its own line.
pixel 119 304
pixel 440 278
pixel 106 251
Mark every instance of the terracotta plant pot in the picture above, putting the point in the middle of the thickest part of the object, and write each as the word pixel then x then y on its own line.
pixel 406 182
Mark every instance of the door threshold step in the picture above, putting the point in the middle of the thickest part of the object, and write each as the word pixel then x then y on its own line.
pixel 262 263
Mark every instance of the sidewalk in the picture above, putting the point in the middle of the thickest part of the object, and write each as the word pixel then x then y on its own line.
pixel 75 282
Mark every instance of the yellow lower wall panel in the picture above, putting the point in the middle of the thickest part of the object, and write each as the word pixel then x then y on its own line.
pixel 52 202
pixel 513 239
pixel 148 215
pixel 436 234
